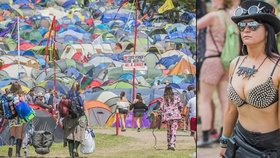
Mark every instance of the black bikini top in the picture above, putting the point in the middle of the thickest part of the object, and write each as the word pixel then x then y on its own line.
pixel 261 96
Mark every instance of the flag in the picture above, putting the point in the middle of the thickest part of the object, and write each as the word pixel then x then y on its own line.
pixel 166 6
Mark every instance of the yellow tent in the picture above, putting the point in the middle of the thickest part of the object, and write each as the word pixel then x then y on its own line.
pixel 24 88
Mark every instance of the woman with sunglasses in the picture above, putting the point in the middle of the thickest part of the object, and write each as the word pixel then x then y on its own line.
pixel 251 122
pixel 212 73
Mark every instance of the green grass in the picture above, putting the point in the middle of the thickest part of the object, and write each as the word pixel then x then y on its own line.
pixel 110 146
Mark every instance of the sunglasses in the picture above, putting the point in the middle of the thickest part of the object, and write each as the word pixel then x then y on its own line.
pixel 252 10
pixel 252 25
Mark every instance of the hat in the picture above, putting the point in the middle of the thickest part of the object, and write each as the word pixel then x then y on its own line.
pixel 264 12
pixel 40 94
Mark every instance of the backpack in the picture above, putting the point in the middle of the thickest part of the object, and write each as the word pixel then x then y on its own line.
pixel 231 45
pixel 76 109
pixel 42 141
pixel 63 107
pixel 7 111
pixel 24 111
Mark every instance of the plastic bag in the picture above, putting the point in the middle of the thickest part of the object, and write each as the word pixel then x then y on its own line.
pixel 88 145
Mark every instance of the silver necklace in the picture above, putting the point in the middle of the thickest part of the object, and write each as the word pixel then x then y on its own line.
pixel 247 72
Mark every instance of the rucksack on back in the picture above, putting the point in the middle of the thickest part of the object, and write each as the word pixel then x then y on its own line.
pixel 63 107
pixel 231 45
pixel 8 113
pixel 76 109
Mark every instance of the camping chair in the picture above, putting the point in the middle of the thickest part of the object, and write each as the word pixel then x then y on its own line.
pixel 155 124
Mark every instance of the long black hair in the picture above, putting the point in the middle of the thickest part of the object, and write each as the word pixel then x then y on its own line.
pixel 271 49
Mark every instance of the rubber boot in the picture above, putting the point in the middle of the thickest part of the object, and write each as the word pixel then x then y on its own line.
pixel 76 145
pixel 71 147
pixel 10 150
pixel 18 147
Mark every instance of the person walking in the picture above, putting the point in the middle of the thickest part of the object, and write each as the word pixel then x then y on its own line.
pixel 74 125
pixel 251 125
pixel 15 125
pixel 139 108
pixel 123 106
pixel 170 112
pixel 212 74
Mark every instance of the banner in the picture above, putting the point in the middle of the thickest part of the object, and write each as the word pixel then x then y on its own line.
pixel 134 61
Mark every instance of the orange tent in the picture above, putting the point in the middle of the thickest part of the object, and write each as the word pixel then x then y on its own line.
pixel 183 67
pixel 88 104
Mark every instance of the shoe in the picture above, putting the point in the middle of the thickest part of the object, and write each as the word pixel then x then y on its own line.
pixel 138 130
pixel 10 152
pixel 75 153
pixel 123 130
pixel 172 148
pixel 203 144
pixel 192 134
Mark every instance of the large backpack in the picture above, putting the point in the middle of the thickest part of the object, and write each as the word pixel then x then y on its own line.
pixel 76 109
pixel 42 141
pixel 7 111
pixel 231 45
pixel 63 107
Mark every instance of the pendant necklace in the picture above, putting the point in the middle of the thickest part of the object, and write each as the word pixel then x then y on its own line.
pixel 247 72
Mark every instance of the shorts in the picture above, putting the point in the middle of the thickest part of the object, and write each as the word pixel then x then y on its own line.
pixel 212 71
pixel 138 112
pixel 123 111
pixel 193 123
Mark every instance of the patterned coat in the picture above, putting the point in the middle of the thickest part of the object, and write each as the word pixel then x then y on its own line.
pixel 170 111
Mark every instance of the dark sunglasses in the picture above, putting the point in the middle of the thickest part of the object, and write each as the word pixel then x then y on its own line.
pixel 252 10
pixel 252 25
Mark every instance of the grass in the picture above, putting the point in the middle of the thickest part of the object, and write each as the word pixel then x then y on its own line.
pixel 110 146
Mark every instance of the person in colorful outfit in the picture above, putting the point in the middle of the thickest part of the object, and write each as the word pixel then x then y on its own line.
pixel 16 127
pixel 170 111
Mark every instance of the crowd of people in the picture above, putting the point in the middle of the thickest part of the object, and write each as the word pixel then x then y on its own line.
pixel 170 112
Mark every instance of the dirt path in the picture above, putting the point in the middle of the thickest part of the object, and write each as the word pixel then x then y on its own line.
pixel 145 140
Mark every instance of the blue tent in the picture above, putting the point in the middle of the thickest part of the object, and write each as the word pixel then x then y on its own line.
pixel 168 61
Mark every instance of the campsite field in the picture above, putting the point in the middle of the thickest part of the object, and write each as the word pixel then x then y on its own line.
pixel 127 145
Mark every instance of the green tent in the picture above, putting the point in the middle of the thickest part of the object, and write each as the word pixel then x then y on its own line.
pixel 120 84
pixel 34 35
pixel 10 43
pixel 40 50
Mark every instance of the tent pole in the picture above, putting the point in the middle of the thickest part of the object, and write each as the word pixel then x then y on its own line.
pixel 18 47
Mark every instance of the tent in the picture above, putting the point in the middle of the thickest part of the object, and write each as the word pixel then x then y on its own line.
pixel 145 123
pixel 183 67
pixel 46 121
pixel 98 112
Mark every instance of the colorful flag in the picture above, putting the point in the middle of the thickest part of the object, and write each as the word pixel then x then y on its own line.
pixel 166 6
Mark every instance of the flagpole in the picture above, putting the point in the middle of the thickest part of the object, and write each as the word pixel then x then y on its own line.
pixel 134 52
pixel 18 47
pixel 54 59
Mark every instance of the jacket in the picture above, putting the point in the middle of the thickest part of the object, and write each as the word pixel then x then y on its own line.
pixel 170 111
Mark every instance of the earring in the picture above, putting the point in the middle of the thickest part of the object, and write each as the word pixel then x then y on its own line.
pixel 242 50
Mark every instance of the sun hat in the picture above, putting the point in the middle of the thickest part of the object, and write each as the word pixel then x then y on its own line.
pixel 258 10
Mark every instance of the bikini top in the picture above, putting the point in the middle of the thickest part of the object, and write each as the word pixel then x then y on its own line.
pixel 261 96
